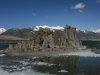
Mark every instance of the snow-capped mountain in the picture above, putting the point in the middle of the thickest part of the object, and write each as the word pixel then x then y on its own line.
pixel 52 28
pixel 96 31
pixel 2 30
pixel 87 31
pixel 32 31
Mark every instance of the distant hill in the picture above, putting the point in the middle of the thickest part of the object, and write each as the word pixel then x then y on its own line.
pixel 22 33
pixel 88 35
pixel 9 37
pixel 28 33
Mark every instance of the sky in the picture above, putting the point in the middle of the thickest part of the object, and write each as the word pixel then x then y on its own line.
pixel 82 14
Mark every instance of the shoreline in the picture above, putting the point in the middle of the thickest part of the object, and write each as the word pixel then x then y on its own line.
pixel 45 53
pixel 81 53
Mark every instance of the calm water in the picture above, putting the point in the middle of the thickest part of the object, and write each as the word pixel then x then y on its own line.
pixel 62 65
pixel 4 45
pixel 52 65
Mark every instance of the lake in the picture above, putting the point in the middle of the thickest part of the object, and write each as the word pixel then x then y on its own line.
pixel 79 63
pixel 4 45
pixel 52 65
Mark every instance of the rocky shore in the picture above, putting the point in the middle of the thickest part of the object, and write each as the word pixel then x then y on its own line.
pixel 47 42
pixel 46 53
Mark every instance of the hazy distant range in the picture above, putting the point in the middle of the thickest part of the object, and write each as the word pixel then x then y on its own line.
pixel 29 33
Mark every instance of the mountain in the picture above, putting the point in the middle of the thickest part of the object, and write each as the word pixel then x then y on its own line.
pixel 22 33
pixel 88 35
pixel 96 31
pixel 53 28
pixel 9 37
pixel 2 30
pixel 28 33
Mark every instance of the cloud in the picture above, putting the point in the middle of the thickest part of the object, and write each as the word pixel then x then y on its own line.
pixel 66 10
pixel 34 14
pixel 81 11
pixel 78 6
pixel 98 1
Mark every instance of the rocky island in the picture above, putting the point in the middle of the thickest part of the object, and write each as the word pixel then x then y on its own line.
pixel 46 42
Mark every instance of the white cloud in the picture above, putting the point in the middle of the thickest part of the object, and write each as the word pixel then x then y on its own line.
pixel 66 10
pixel 98 1
pixel 78 6
pixel 81 11
pixel 34 14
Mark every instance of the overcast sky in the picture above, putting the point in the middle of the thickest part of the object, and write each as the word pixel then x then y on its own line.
pixel 82 14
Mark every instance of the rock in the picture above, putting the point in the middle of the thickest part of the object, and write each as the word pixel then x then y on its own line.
pixel 50 41
pixel 10 47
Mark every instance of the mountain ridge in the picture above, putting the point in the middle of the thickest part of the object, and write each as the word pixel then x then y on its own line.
pixel 32 31
pixel 36 28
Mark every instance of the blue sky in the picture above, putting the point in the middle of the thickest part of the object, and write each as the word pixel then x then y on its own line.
pixel 82 14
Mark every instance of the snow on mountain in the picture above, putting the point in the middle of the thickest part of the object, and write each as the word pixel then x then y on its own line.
pixel 52 28
pixel 2 30
pixel 96 31
pixel 87 31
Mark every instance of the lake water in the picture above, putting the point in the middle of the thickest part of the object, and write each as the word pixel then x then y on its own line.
pixel 79 63
pixel 53 65
pixel 4 45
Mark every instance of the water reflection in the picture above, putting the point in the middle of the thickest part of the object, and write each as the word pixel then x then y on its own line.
pixel 59 64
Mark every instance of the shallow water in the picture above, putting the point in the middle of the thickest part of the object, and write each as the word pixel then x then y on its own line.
pixel 53 65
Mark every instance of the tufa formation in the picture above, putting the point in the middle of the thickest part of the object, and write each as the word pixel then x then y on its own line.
pixel 49 41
